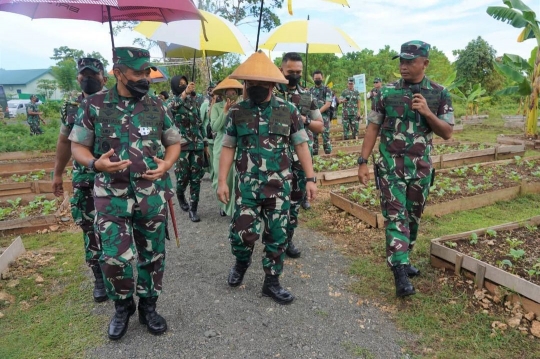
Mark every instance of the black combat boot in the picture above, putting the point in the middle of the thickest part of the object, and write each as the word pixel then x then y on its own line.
pixel 182 201
pixel 100 294
pixel 411 270
pixel 193 212
pixel 403 286
pixel 345 138
pixel 291 250
pixel 120 320
pixel 306 205
pixel 271 288
pixel 222 212
pixel 148 316
pixel 236 275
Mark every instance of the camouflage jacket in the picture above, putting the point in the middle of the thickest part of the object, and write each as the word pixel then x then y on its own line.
pixel 405 145
pixel 261 136
pixel 137 131
pixel 373 95
pixel 187 118
pixel 82 176
pixel 322 95
pixel 350 108
pixel 34 107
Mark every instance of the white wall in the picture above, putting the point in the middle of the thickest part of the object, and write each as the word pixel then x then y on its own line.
pixel 31 87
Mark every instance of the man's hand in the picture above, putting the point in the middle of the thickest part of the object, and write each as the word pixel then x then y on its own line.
pixel 363 174
pixel 58 186
pixel 158 173
pixel 223 193
pixel 311 191
pixel 419 103
pixel 228 105
pixel 104 163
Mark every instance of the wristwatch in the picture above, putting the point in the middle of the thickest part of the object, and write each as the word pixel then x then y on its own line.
pixel 92 166
pixel 362 160
pixel 311 179
pixel 308 121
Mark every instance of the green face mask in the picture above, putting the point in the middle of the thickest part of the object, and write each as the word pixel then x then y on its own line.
pixel 232 97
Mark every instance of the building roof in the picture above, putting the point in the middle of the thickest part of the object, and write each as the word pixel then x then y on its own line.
pixel 20 77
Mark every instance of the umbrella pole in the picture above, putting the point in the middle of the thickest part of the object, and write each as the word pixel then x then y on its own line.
pixel 193 67
pixel 259 29
pixel 110 29
pixel 306 72
pixel 209 72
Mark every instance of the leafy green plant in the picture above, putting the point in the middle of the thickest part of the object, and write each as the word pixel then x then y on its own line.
pixel 505 263
pixel 476 255
pixel 15 203
pixel 450 244
pixel 517 254
pixel 474 239
pixel 531 228
pixel 513 242
pixel 5 212
pixel 491 233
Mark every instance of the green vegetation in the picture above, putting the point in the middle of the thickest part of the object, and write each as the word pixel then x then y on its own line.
pixel 16 137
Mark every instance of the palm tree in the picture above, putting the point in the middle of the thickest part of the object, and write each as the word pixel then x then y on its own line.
pixel 519 15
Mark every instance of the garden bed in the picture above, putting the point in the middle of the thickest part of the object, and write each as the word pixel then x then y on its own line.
pixel 24 155
pixel 506 255
pixel 473 120
pixel 459 189
pixel 528 142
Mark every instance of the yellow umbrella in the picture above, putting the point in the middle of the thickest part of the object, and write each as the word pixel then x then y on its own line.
pixel 341 2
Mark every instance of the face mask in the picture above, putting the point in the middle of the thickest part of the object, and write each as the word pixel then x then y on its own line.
pixel 257 94
pixel 137 89
pixel 232 97
pixel 293 79
pixel 181 89
pixel 90 85
pixel 318 82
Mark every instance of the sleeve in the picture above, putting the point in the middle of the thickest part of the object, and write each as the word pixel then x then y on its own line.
pixel 83 130
pixel 64 127
pixel 217 118
pixel 342 96
pixel 446 111
pixel 298 133
pixel 229 139
pixel 170 134
pixel 376 116
pixel 328 95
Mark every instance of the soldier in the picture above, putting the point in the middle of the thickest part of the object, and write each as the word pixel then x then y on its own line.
pixel 189 168
pixel 34 116
pixel 351 110
pixel 323 95
pixel 291 68
pixel 129 140
pixel 377 83
pixel 407 112
pixel 91 79
pixel 205 114
pixel 258 131
pixel 164 96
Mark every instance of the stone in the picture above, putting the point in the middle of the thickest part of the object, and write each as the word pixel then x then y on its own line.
pixel 530 316
pixel 15 282
pixel 5 297
pixel 210 333
pixel 65 219
pixel 39 279
pixel 535 328
pixel 514 322
pixel 1 315
pixel 479 294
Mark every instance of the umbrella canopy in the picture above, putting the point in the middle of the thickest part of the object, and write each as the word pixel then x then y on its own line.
pixel 318 35
pixel 187 36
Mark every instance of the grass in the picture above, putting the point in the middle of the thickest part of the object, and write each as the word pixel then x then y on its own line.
pixel 54 320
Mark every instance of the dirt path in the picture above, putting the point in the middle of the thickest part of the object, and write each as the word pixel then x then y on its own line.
pixel 208 319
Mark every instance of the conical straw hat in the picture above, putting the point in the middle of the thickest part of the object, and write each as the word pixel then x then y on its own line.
pixel 228 83
pixel 258 67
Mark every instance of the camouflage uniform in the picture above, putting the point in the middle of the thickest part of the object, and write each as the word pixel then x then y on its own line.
pixel 404 166
pixel 33 120
pixel 261 137
pixel 374 93
pixel 305 103
pixel 205 114
pixel 82 202
pixel 349 117
pixel 131 211
pixel 189 168
pixel 322 95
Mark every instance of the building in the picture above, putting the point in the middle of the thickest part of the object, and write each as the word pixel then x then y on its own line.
pixel 23 83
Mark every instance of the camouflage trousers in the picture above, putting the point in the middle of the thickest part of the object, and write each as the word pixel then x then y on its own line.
pixel 35 129
pixel 125 234
pixel 83 213
pixel 298 194
pixel 350 124
pixel 189 170
pixel 325 136
pixel 402 204
pixel 245 228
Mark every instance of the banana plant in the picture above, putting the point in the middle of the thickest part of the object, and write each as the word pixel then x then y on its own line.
pixel 520 16
pixel 472 98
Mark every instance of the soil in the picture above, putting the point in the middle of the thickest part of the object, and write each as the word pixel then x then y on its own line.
pixel 495 248
pixel 10 211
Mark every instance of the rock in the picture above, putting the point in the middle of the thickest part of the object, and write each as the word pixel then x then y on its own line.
pixel 5 297
pixel 54 228
pixel 479 294
pixel 1 315
pixel 485 311
pixel 535 328
pixel 210 333
pixel 65 219
pixel 499 325
pixel 15 282
pixel 530 316
pixel 487 301
pixel 5 274
pixel 39 279
pixel 514 322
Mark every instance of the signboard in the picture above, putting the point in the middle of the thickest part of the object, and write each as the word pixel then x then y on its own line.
pixel 360 83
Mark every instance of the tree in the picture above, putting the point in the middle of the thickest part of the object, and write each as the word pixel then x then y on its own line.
pixel 475 64
pixel 46 88
pixel 439 68
pixel 65 73
pixel 519 15
pixel 65 53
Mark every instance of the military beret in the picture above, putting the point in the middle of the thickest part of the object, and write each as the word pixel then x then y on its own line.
pixel 413 49
pixel 89 63
pixel 377 79
pixel 134 58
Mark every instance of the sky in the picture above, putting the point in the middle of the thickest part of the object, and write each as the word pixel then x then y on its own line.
pixel 448 25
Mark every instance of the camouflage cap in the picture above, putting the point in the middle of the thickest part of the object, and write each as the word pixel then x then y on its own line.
pixel 89 63
pixel 351 79
pixel 134 58
pixel 413 49
pixel 377 79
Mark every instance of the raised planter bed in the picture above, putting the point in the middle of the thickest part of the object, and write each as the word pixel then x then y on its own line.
pixel 452 252
pixel 369 210
pixel 473 120
pixel 529 143
pixel 24 155
pixel 9 190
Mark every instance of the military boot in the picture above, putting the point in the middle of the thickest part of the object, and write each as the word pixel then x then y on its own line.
pixel 305 204
pixel 148 316
pixel 403 286
pixel 411 270
pixel 345 138
pixel 182 201
pixel 193 212
pixel 291 250
pixel 119 322
pixel 100 294
pixel 271 288
pixel 236 275
pixel 222 212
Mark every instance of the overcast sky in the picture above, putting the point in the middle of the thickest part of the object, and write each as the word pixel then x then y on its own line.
pixel 449 25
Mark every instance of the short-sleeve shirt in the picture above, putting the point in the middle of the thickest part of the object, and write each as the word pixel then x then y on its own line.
pixel 350 108
pixel 322 95
pixel 32 107
pixel 188 120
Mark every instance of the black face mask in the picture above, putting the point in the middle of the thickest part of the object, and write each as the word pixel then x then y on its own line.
pixel 181 89
pixel 257 94
pixel 318 82
pixel 90 85
pixel 293 79
pixel 137 89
